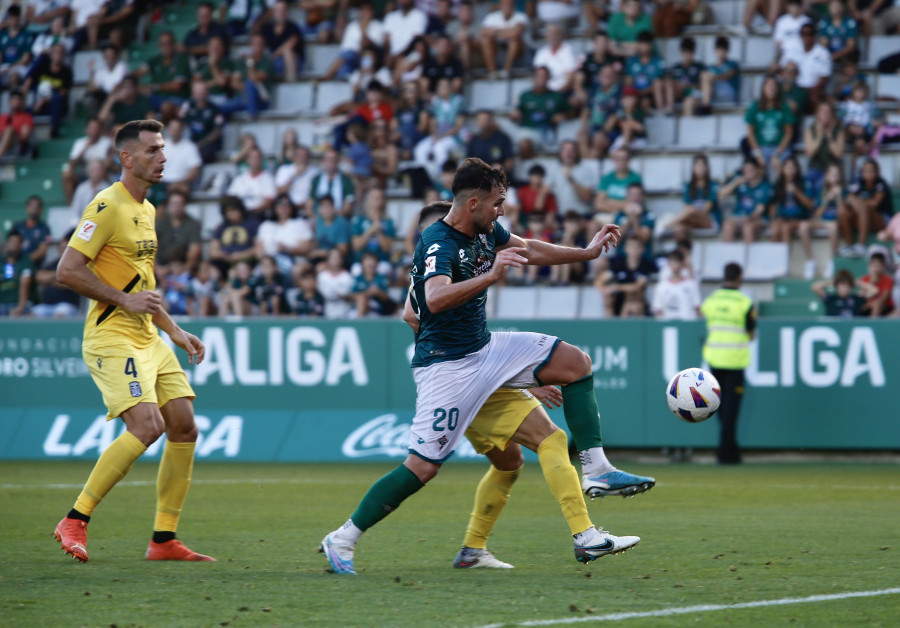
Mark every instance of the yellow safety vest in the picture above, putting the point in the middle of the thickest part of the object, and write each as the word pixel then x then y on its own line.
pixel 727 341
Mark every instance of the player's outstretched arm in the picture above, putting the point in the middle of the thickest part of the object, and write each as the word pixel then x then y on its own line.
pixel 546 254
pixel 73 273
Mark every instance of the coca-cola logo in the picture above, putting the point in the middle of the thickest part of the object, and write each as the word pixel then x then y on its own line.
pixel 384 436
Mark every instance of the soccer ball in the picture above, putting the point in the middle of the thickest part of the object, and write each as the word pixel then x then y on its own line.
pixel 693 395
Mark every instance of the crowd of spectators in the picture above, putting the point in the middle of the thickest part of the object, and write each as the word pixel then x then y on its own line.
pixel 305 230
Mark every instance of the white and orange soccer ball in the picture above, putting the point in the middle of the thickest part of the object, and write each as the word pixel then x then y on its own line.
pixel 693 395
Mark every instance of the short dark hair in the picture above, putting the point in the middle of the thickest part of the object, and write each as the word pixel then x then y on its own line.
pixel 685 244
pixel 879 257
pixel 233 202
pixel 688 44
pixel 844 276
pixel 449 166
pixel 132 130
pixel 437 210
pixel 537 169
pixel 645 37
pixel 14 11
pixel 474 174
pixel 13 232
pixel 722 43
pixel 177 192
pixel 676 255
pixel 35 197
pixel 733 272
pixel 207 5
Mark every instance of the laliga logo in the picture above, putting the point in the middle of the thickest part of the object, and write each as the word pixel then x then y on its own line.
pixel 382 436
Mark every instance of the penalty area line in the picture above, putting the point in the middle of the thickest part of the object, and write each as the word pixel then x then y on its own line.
pixel 701 608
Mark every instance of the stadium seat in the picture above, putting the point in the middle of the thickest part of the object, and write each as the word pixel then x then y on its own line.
pixel 717 254
pixel 319 58
pixel 305 130
pixel 662 174
pixel 81 72
pixel 660 131
pixel 879 47
pixel 758 52
pixel 750 87
pixel 767 261
pixel 888 86
pixel 555 302
pixel 591 303
pixel 791 308
pixel 696 133
pixel 266 136
pixel 331 93
pixel 516 302
pixel 402 213
pixel 493 95
pixel 211 218
pixel 516 88
pixel 724 12
pixel 60 220
pixel 732 129
pixel 663 209
pixel 888 164
pixel 792 288
pixel 706 48
pixel 294 97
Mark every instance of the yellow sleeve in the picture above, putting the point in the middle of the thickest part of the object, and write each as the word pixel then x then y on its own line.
pixel 95 229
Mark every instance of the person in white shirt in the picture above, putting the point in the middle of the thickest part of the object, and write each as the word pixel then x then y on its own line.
pixel 55 35
pixel 558 57
pixel 503 28
pixel 285 237
pixel 104 77
pixel 255 187
pixel 401 27
pixel 813 61
pixel 88 189
pixel 360 34
pixel 294 178
pixel 85 20
pixel 676 297
pixel 183 160
pixel 558 10
pixel 573 180
pixel 94 145
pixel 335 284
pixel 432 152
pixel 787 27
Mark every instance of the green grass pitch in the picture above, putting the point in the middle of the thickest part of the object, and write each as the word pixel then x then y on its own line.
pixel 710 536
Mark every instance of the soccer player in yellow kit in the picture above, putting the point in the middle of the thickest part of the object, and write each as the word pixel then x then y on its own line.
pixel 110 261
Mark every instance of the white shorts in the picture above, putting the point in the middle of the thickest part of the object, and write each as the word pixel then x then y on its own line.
pixel 450 394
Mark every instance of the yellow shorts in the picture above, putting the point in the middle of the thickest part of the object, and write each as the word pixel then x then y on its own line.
pixel 129 377
pixel 499 418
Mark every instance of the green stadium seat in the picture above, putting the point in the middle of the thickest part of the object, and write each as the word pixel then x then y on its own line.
pixel 792 288
pixel 791 308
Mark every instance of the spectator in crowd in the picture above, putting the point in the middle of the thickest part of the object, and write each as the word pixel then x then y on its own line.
pixel 443 64
pixel 196 41
pixel 838 32
pixel 793 206
pixel 233 241
pixel 183 160
pixel 322 18
pixel 95 145
pixel 332 232
pixel 701 203
pixel 410 123
pixel 887 21
pixel 881 303
pixel 598 119
pixel 440 18
pixel 503 29
pixel 385 156
pixel 536 228
pixel 96 181
pixel 813 61
pixel 536 196
pixel 217 69
pixel 401 27
pixel 268 288
pixel 34 231
pixel 295 178
pixel 490 143
pixel 370 289
pixel 448 110
pixel 683 80
pixel 571 180
pixel 358 157
pixel 104 78
pixel 686 248
pixel 375 107
pixel 57 33
pixel 284 41
pixel 289 143
pixel 174 281
pixel 15 51
pixel 361 33
pixel 823 143
pixel 203 291
pixel 254 79
pixel 51 79
pixel 846 76
pixel 306 300
pixel 670 17
pixel 54 299
pixel 332 183
pixel 587 78
pixel 540 109
pixel 553 11
pixel 15 127
pixel 793 95
pixel 371 68
pixel 559 58
pixel 634 220
pixel 646 72
pixel 753 201
pixel 286 237
pixel 120 22
pixel 444 184
pixel 891 234
pixel 572 234
pixel 612 189
pixel 336 285
pixel 624 284
pixel 676 297
pixel 373 231
pixel 787 27
pixel 39 14
pixel 411 65
pixel 204 120
pixel 236 296
pixel 720 83
pixel 165 77
pixel 125 104
pixel 255 186
pixel 463 32
pixel 770 127
pixel 841 300
pixel 178 233
pixel 434 151
pixel 625 26
pixel 861 119
pixel 628 127
pixel 831 199
pixel 15 283
pixel 869 206
pixel 243 16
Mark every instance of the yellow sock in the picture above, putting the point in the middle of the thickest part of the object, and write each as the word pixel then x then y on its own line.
pixel 490 498
pixel 562 479
pixel 172 484
pixel 113 465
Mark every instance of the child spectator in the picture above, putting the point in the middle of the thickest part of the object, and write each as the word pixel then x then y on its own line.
pixel 720 84
pixel 236 297
pixel 232 241
pixel 624 285
pixel 861 118
pixel 701 203
pixel 847 76
pixel 793 205
pixel 635 222
pixel 753 196
pixel 448 110
pixel 646 72
pixel 370 289
pixel 838 32
pixel 332 232
pixel 628 128
pixel 676 298
pixel 841 301
pixel 359 155
pixel 536 196
pixel 830 202
pixel 869 206
pixel 202 293
pixel 770 127
pixel 881 304
pixel 175 281
pixel 335 284
pixel 683 82
pixel 598 119
pixel 306 300
pixel 823 142
pixel 267 288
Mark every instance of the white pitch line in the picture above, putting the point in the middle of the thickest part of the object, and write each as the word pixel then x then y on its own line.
pixel 702 608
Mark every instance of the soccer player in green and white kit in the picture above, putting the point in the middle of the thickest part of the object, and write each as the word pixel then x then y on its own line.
pixel 458 363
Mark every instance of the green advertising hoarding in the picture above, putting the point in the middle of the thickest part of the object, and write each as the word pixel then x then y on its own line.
pixel 296 390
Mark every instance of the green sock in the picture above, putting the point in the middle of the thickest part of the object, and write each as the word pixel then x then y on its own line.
pixel 385 496
pixel 582 413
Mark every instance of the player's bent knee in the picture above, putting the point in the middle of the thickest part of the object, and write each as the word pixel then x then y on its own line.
pixel 422 469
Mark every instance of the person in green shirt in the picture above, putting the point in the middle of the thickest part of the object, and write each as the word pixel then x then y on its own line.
pixel 252 80
pixel 125 104
pixel 166 75
pixel 15 278
pixel 721 81
pixel 838 32
pixel 540 109
pixel 215 70
pixel 646 72
pixel 753 201
pixel 613 187
pixel 770 127
pixel 624 27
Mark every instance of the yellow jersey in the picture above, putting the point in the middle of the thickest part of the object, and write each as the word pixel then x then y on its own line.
pixel 118 235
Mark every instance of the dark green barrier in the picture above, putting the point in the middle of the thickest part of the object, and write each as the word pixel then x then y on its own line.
pixel 284 391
